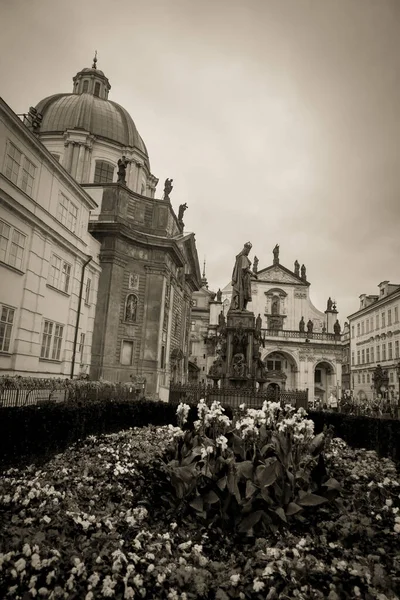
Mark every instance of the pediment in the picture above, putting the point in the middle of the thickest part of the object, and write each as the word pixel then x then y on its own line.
pixel 277 274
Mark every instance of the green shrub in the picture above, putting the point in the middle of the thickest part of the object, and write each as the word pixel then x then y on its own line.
pixel 254 473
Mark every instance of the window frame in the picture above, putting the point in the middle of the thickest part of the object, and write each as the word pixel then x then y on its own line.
pixel 99 168
pixel 11 241
pixel 64 274
pixel 65 215
pixel 132 343
pixel 51 341
pixel 16 174
pixel 5 326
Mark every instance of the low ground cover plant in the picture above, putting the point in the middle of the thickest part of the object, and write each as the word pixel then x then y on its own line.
pixel 91 523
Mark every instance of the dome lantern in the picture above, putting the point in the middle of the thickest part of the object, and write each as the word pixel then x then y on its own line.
pixel 92 81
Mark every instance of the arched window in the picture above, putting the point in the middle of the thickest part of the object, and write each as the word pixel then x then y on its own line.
pixel 97 89
pixel 104 172
pixel 131 308
pixel 85 86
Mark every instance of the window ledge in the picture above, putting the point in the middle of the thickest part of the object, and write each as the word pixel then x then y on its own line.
pixel 15 269
pixel 50 360
pixel 57 290
pixel 5 353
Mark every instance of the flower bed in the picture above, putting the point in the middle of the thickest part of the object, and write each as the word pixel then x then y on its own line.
pixel 91 524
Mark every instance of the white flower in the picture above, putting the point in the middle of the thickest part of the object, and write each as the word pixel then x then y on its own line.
pixel 150 568
pixel 36 562
pixel 222 442
pixel 234 579
pixel 89 596
pixel 258 585
pixel 182 411
pixel 129 593
pixel 43 592
pixel 26 550
pixel 389 502
pixel 20 564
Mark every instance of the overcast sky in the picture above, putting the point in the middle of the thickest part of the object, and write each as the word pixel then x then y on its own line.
pixel 279 120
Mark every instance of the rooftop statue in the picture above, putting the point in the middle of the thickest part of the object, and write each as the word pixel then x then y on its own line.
pixel 167 188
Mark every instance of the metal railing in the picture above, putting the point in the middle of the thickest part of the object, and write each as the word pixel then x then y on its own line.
pixel 234 397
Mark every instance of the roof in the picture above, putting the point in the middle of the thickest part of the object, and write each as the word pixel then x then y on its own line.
pixel 98 116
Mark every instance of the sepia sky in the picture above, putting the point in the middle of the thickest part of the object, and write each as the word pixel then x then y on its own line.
pixel 279 120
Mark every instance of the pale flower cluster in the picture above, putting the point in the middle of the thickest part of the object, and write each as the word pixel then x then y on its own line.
pixel 211 416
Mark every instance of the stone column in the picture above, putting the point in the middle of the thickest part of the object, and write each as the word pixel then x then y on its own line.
pixel 80 163
pixel 87 164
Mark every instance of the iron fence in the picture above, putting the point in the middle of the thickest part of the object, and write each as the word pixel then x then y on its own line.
pixel 234 397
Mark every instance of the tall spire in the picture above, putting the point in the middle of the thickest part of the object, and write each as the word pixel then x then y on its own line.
pixel 204 281
pixel 94 65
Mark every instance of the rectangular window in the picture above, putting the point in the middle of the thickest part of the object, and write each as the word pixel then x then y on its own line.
pixel 368 380
pixel 13 163
pixel 362 327
pixel 367 355
pixel 28 176
pixel 67 213
pixel 377 322
pixel 391 377
pixel 389 316
pixel 358 377
pixel 59 273
pixel 383 351
pixel 367 326
pixel 12 245
pixel 127 353
pixel 363 356
pixel 378 353
pixel 358 329
pixel 372 354
pixel 358 357
pixel 82 347
pixel 87 291
pixel 383 315
pixel 51 340
pixel 162 365
pixel 318 376
pixel 363 377
pixel 390 350
pixel 396 314
pixel 6 324
pixel 352 358
pixel 396 349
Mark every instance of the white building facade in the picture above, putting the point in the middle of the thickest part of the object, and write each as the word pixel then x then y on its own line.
pixel 44 245
pixel 375 340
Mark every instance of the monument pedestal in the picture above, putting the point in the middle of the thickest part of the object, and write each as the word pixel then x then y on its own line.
pixel 240 329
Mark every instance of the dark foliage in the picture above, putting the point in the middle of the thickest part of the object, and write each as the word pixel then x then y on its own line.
pixel 36 433
pixel 381 435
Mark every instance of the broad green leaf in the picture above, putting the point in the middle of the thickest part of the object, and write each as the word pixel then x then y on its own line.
pixel 245 469
pixel 266 475
pixel 250 488
pixel 197 503
pixel 221 483
pixel 332 484
pixel 311 500
pixel 211 497
pixel 248 522
pixel 233 486
pixel 281 513
pixel 317 444
pixel 292 508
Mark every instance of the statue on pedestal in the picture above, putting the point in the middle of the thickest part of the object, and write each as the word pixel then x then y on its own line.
pixel 181 210
pixel 167 188
pixel 310 326
pixel 297 268
pixel 303 272
pixel 336 327
pixel 255 264
pixel 219 295
pixel 221 321
pixel 329 304
pixel 275 252
pixel 302 325
pixel 241 280
pixel 122 164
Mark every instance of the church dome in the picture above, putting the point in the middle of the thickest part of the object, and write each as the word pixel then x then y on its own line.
pixel 89 109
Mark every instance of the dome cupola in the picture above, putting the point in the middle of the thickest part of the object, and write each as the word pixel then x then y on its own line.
pixel 92 81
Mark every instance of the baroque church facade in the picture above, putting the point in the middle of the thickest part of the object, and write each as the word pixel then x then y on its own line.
pixel 301 345
pixel 149 264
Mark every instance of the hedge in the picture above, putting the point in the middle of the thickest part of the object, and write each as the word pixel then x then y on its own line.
pixel 379 434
